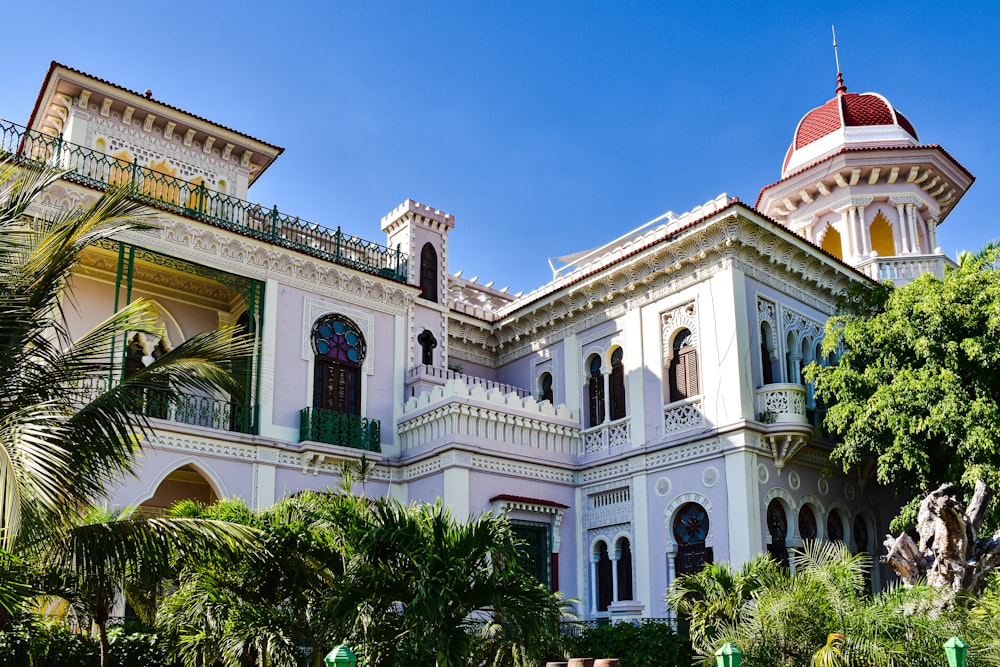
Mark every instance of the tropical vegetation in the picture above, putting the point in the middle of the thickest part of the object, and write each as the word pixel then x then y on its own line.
pixel 916 390
pixel 820 613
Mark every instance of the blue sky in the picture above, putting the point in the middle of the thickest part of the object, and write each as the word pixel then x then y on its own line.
pixel 544 127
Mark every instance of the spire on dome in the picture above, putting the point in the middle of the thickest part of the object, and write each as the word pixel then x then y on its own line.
pixel 841 88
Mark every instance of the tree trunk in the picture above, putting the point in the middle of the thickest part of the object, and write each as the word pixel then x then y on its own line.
pixel 948 552
pixel 102 633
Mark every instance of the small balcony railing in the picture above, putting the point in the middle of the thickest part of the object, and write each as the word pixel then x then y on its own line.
pixel 338 428
pixel 783 403
pixel 194 200
pixel 606 436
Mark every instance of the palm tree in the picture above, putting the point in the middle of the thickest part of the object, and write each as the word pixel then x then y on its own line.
pixel 62 443
pixel 823 606
pixel 90 561
pixel 715 596
pixel 421 585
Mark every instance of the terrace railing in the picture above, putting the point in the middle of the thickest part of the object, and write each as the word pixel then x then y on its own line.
pixel 163 191
pixel 338 428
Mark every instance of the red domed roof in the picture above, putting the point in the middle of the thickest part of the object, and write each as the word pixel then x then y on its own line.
pixel 847 110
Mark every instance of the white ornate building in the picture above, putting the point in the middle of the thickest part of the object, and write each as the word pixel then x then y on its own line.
pixel 640 413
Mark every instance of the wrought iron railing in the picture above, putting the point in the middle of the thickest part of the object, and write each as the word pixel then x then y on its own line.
pixel 338 428
pixel 191 409
pixel 191 199
pixel 205 411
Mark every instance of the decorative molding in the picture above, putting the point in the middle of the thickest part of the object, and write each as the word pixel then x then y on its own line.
pixel 794 481
pixel 763 476
pixel 684 453
pixel 680 317
pixel 709 477
pixel 683 416
pixel 554 514
pixel 676 504
pixel 663 486
pixel 823 486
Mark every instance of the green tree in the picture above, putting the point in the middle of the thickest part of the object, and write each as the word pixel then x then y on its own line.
pixel 821 611
pixel 715 596
pixel 917 386
pixel 90 560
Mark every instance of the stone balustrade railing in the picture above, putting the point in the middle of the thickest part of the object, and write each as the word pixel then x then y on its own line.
pixel 474 414
pixel 902 270
pixel 782 403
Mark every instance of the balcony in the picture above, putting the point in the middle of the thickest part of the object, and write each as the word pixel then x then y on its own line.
pixel 606 437
pixel 190 409
pixel 338 428
pixel 902 270
pixel 782 404
pixel 194 200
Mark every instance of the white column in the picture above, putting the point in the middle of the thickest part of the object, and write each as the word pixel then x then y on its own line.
pixel 906 246
pixel 456 492
pixel 932 234
pixel 571 377
pixel 911 221
pixel 866 237
pixel 742 506
pixel 641 577
pixel 634 371
pixel 848 240
pixel 614 575
pixel 268 341
pixel 594 559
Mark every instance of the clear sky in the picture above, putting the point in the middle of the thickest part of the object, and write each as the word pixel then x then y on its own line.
pixel 544 127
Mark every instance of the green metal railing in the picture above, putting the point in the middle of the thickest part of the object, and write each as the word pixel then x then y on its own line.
pixel 193 409
pixel 166 192
pixel 338 428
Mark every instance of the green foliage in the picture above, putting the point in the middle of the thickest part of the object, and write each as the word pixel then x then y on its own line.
pixel 646 644
pixel 821 615
pixel 917 388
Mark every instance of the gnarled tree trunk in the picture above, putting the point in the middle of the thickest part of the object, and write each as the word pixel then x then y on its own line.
pixel 949 552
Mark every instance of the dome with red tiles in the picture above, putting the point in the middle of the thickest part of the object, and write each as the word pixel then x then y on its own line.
pixel 849 119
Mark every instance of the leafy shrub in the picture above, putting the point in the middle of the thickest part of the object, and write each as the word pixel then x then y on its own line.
pixel 647 644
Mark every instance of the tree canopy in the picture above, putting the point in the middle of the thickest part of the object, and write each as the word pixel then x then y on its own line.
pixel 916 389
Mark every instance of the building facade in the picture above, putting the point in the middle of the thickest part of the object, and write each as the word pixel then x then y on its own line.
pixel 640 414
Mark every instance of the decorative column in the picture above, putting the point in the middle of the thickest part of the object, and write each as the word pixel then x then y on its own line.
pixel 614 575
pixel 911 221
pixel 856 243
pixel 595 559
pixel 932 234
pixel 866 240
pixel 904 230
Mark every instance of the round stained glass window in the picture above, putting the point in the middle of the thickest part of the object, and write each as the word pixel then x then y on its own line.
pixel 338 338
pixel 691 524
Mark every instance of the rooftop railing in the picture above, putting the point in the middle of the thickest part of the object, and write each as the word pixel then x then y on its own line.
pixel 194 200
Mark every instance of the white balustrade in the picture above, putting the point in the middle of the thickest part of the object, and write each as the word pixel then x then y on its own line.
pixel 782 404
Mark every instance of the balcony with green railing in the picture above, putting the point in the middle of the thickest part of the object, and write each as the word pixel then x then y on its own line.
pixel 159 190
pixel 338 428
pixel 182 408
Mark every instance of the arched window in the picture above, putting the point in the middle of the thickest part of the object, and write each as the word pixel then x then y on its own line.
pixel 766 353
pixel 427 345
pixel 807 523
pixel 690 532
pixel 340 352
pixel 428 273
pixel 617 385
pixel 834 527
pixel 595 391
pixel 604 577
pixel 777 526
pixel 545 387
pixel 623 554
pixel 683 374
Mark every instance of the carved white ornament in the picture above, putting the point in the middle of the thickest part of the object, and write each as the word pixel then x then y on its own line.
pixel 709 476
pixel 680 417
pixel 823 486
pixel 662 486
pixel 849 491
pixel 314 308
pixel 794 481
pixel 762 474
pixel 681 317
